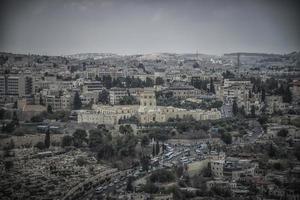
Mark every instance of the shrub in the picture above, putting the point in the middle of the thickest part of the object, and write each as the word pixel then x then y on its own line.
pixel 162 176
pixel 40 145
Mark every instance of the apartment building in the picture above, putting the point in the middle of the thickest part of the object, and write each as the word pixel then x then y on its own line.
pixel 14 86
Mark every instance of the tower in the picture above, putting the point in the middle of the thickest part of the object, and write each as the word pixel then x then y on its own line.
pixel 147 100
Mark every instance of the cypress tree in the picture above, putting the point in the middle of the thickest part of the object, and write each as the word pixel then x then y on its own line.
pixel 47 138
pixel 212 87
pixel 157 147
pixel 77 102
pixel 234 108
pixel 153 150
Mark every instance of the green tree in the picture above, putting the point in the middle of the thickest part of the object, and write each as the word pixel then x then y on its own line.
pixel 263 94
pixel 272 152
pixel 253 111
pixel 104 97
pixel 49 109
pixel 159 81
pixel 67 140
pixel 96 138
pixel 287 95
pixel 2 113
pixel 153 151
pixel 235 108
pixel 105 151
pixel 145 162
pixel 149 82
pixel 79 136
pixel 81 161
pixel 77 101
pixel 128 100
pixel 145 141
pixel 8 165
pixel 47 138
pixel 212 87
pixel 226 138
pixel 297 152
pixel 157 148
pixel 162 176
pixel 129 187
pixel 107 81
pixel 40 145
pixel 15 119
pixel 125 129
pixel 37 118
pixel 196 65
pixel 283 133
pixel 150 188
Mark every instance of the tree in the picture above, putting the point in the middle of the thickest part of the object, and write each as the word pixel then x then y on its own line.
pixel 149 82
pixel 77 101
pixel 15 119
pixel 153 151
pixel 104 97
pixel 81 161
pixel 228 74
pixel 145 162
pixel 169 94
pixel 125 129
pixel 226 138
pixel 287 95
pixel 242 111
pixel 196 65
pixel 150 188
pixel 41 102
pixel 159 81
pixel 212 87
pixel 9 128
pixel 49 109
pixel 107 81
pixel 252 111
pixel 297 152
pixel 2 113
pixel 128 100
pixel 179 170
pixel 235 109
pixel 145 141
pixel 8 165
pixel 157 150
pixel 162 176
pixel 67 140
pixel 79 136
pixel 263 94
pixel 47 138
pixel 40 145
pixel 37 118
pixel 129 187
pixel 272 151
pixel 283 133
pixel 105 151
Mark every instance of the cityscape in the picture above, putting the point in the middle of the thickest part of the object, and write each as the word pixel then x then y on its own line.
pixel 152 122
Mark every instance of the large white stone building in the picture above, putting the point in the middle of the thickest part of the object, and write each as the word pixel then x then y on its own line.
pixel 146 112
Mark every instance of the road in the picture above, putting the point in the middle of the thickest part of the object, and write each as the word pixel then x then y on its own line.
pixel 178 154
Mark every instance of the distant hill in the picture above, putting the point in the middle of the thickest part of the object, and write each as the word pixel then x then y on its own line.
pixel 95 56
pixel 251 54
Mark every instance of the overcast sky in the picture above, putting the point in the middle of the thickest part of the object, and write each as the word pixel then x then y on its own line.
pixel 65 27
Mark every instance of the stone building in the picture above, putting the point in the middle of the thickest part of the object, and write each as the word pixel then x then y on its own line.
pixel 146 112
